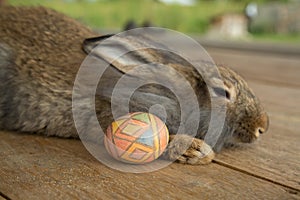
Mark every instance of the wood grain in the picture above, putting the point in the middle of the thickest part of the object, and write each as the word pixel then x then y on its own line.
pixel 269 69
pixel 35 167
pixel 277 154
pixel 276 82
pixel 2 198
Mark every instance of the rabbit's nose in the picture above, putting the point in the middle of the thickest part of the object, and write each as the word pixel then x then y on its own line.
pixel 263 125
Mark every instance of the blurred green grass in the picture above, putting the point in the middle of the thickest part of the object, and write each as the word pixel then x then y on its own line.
pixel 114 14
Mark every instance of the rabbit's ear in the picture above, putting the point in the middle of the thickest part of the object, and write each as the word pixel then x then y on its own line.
pixel 227 92
pixel 117 51
pixel 90 43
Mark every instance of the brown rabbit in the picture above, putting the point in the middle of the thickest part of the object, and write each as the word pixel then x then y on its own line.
pixel 40 54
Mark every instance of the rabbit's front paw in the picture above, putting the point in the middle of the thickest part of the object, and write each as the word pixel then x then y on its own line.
pixel 188 150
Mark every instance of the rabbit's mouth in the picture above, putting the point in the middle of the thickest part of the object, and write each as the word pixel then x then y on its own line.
pixel 244 137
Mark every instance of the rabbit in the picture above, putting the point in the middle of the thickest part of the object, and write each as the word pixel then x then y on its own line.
pixel 41 51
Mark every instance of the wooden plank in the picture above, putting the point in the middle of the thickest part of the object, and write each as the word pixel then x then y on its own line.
pixel 265 48
pixel 276 155
pixel 275 79
pixel 2 198
pixel 36 167
pixel 279 100
pixel 270 69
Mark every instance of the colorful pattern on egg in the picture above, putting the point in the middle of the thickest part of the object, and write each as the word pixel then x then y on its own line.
pixel 136 138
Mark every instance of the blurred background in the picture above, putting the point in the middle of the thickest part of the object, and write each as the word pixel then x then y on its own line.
pixel 260 20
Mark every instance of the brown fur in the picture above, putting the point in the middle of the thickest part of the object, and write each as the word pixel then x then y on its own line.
pixel 40 53
pixel 40 41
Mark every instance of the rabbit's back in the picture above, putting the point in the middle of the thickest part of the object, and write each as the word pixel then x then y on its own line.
pixel 40 53
pixel 43 38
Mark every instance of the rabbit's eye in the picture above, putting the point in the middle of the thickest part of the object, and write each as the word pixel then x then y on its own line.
pixel 222 92
pixel 227 94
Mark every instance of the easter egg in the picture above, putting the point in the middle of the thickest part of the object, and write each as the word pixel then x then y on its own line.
pixel 136 138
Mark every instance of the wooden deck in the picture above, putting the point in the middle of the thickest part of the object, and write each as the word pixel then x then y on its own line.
pixel 36 167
